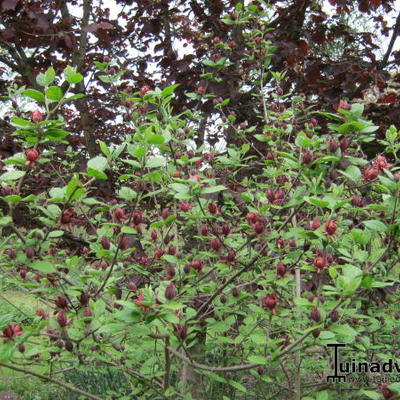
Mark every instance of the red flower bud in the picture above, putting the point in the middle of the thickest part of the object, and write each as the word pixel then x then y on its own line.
pixel 334 316
pixel 215 244
pixel 132 286
pixel 235 292
pixel 84 298
pixel 333 145
pixel 118 215
pixel 61 302
pixel 36 116
pixel 144 90
pixel 29 251
pixel 42 314
pixel 212 208
pixel 223 299
pixel 185 206
pixel 252 218
pixel 62 319
pixel 281 270
pixel 357 201
pixel 204 230
pixel 153 235
pixel 270 195
pixel 105 242
pixel 226 230
pixel 197 265
pixel 330 227
pixel 315 224
pixel 170 291
pixel 231 255
pixel 137 217
pixel 201 90
pixel 32 155
pixel 123 242
pixel 316 333
pixel 67 215
pixel 259 227
pixel 270 301
pixel 315 315
pixel 87 312
pixel 344 144
pixel 171 271
pixel 320 263
pixel 165 213
pixel 171 250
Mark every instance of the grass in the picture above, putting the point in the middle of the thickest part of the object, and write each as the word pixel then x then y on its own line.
pixel 18 307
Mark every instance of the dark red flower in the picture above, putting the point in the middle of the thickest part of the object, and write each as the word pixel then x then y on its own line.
pixel 269 302
pixel 371 173
pixel 215 244
pixel 12 331
pixel 61 302
pixel 330 227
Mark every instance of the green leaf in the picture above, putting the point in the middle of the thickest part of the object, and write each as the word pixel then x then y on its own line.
pixel 103 147
pixel 155 162
pixel 73 97
pixel 14 198
pixel 47 78
pixel 375 225
pixel 179 187
pixel 12 175
pixel 98 164
pixel 352 172
pixel 56 234
pixel 237 386
pixel 74 78
pixel 34 94
pixel 96 174
pixel 213 189
pixel 316 201
pixel 155 139
pixel 345 330
pixel 322 395
pixel 55 134
pixel 370 394
pixel 54 93
pixel 361 236
pixel 43 266
pixel 395 387
pixel 302 140
pixel 127 193
pixel 257 360
pixel 21 123
pixel 169 90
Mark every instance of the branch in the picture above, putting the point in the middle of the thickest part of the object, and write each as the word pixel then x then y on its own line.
pixel 385 58
pixel 52 380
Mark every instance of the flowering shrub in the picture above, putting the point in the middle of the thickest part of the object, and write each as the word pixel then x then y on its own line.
pixel 207 274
